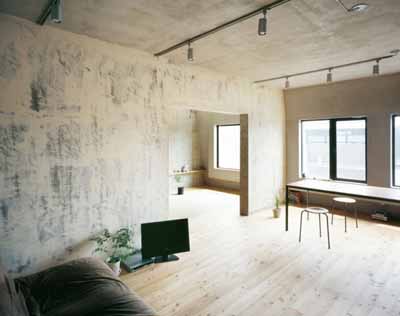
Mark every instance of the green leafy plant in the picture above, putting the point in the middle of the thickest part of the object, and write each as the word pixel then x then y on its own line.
pixel 277 201
pixel 117 246
pixel 178 178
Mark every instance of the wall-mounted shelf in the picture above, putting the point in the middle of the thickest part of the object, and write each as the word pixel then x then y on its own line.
pixel 187 172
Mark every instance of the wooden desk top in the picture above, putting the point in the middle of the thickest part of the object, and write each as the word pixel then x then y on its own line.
pixel 349 189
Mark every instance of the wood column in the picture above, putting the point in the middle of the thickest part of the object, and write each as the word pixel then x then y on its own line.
pixel 244 165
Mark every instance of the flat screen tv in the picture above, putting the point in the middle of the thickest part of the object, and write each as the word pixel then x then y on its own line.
pixel 163 239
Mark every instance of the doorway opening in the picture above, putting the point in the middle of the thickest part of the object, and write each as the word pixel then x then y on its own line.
pixel 205 160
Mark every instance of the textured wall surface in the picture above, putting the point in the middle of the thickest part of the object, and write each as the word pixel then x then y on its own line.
pixel 184 147
pixel 267 152
pixel 84 138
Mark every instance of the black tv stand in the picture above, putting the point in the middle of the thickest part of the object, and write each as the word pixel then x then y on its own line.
pixel 165 258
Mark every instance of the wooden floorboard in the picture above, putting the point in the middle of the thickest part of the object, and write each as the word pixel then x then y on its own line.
pixel 251 266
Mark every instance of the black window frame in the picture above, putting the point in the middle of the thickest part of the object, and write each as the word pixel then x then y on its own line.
pixel 217 145
pixel 394 116
pixel 333 147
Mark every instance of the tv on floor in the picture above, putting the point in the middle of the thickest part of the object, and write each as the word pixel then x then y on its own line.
pixel 161 240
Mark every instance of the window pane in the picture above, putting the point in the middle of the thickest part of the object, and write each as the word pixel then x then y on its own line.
pixel 397 151
pixel 351 156
pixel 229 147
pixel 315 149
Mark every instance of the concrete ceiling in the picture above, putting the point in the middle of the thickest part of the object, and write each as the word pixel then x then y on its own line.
pixel 302 35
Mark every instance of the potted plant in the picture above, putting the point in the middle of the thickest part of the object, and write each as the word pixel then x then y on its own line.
pixel 277 210
pixel 178 179
pixel 117 247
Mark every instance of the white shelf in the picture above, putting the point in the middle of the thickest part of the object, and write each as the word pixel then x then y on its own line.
pixel 185 173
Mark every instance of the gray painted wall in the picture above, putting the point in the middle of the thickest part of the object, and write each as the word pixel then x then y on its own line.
pixel 376 98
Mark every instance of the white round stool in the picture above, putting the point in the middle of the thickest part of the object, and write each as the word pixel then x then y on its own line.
pixel 318 211
pixel 346 201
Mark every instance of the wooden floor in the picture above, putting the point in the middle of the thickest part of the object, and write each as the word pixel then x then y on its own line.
pixel 250 266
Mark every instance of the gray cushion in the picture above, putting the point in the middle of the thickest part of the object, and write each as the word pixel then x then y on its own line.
pixel 84 287
pixel 12 302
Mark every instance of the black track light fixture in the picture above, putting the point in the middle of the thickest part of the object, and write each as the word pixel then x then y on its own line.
pixel 329 77
pixel 358 7
pixel 190 56
pixel 287 83
pixel 57 12
pixel 262 24
pixel 375 68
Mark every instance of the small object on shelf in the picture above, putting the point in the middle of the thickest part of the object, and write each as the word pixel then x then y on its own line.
pixel 381 216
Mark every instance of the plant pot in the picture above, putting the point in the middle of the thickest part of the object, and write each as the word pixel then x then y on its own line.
pixel 276 212
pixel 181 190
pixel 115 267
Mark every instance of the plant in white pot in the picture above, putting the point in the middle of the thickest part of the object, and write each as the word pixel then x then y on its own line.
pixel 116 246
pixel 277 210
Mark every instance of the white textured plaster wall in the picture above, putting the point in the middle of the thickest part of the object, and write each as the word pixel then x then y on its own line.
pixel 84 138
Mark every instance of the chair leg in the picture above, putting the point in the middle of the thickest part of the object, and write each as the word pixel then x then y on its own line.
pixel 345 223
pixel 308 216
pixel 356 215
pixel 327 230
pixel 319 218
pixel 301 224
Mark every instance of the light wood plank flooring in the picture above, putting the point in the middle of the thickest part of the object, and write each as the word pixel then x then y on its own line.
pixel 251 266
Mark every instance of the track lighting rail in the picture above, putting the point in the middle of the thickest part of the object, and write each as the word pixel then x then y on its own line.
pixel 222 27
pixel 377 59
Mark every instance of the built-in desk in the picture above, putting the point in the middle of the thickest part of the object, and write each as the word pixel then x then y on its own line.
pixel 359 191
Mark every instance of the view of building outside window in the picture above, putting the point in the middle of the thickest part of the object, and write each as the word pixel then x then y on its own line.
pixel 228 146
pixel 350 150
pixel 315 149
pixel 397 150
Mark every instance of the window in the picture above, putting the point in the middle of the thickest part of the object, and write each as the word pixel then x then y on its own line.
pixel 315 149
pixel 334 149
pixel 351 150
pixel 396 150
pixel 228 146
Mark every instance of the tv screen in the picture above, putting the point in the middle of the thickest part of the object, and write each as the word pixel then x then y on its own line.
pixel 165 238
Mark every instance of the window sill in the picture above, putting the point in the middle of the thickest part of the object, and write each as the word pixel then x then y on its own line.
pixel 338 181
pixel 227 169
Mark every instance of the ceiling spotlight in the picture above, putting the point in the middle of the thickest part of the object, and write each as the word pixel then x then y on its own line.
pixel 358 7
pixel 287 83
pixel 329 76
pixel 395 52
pixel 190 53
pixel 375 68
pixel 56 12
pixel 262 24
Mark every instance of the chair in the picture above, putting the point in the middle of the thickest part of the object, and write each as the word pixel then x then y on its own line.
pixel 319 211
pixel 346 201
